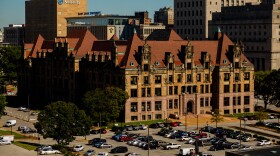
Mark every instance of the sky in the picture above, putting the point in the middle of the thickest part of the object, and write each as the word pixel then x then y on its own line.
pixel 13 11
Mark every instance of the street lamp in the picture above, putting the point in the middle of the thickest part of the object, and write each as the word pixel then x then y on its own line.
pixel 84 132
pixel 197 121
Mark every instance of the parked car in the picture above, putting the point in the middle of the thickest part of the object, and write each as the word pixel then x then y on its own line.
pixel 135 128
pixel 263 142
pixel 132 154
pixel 154 126
pixel 142 127
pixel 89 153
pixel 216 147
pixel 174 116
pixel 42 147
pixel 97 144
pixel 34 113
pixel 172 146
pixel 10 123
pixel 102 154
pixel 29 130
pixel 94 131
pixel 48 151
pixel 20 128
pixel 125 138
pixel 174 124
pixel 22 108
pixel 184 138
pixel 78 148
pixel 5 142
pixel 119 149
pixel 102 131
pixel 105 145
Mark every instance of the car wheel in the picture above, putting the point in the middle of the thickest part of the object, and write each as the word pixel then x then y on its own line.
pixel 169 148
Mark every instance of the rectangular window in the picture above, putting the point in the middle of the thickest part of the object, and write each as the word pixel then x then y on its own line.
pixel 170 90
pixel 226 76
pixel 133 107
pixel 146 67
pixel 143 90
pixel 175 90
pixel 246 87
pixel 226 88
pixel 207 77
pixel 133 80
pixel 170 78
pixel 206 88
pixel 146 79
pixel 179 77
pixel 170 104
pixel 158 79
pixel 134 118
pixel 143 106
pixel 247 110
pixel 246 100
pixel 149 106
pixel 207 102
pixel 157 91
pixel 239 88
pixel 175 103
pixel 226 111
pixel 158 105
pixel 234 100
pixel 226 101
pixel 149 117
pixel 236 77
pixel 143 117
pixel 238 100
pixel 133 93
pixel 170 66
pixel 247 76
pixel 234 87
pixel 189 66
pixel 148 92
pixel 198 77
pixel 201 102
pixel 189 78
pixel 201 88
pixel 158 116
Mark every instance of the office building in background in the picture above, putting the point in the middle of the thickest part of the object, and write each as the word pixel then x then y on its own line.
pixel 14 34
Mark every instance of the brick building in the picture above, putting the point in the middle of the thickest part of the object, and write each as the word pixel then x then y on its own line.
pixel 163 75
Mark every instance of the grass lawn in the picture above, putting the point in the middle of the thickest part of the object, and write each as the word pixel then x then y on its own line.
pixel 17 136
pixel 25 145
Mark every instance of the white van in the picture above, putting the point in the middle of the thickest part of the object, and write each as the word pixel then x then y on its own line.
pixel 186 151
pixel 11 123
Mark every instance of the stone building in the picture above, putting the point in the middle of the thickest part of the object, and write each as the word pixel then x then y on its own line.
pixel 162 75
pixel 258 28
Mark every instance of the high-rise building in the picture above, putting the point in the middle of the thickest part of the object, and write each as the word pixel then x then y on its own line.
pixel 164 15
pixel 14 34
pixel 47 17
pixel 1 36
pixel 192 16
pixel 143 17
pixel 257 28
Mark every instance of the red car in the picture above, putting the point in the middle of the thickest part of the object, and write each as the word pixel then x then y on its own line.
pixel 174 124
pixel 103 131
pixel 125 138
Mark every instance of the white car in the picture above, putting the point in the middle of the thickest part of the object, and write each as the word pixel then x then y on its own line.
pixel 78 148
pixel 22 108
pixel 132 154
pixel 185 138
pixel 105 145
pixel 102 154
pixel 264 142
pixel 5 142
pixel 143 127
pixel 49 151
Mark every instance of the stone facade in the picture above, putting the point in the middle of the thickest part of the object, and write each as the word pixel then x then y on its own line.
pixel 164 15
pixel 162 76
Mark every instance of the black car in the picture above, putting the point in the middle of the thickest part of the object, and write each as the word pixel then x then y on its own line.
pixel 207 129
pixel 153 126
pixel 119 149
pixel 216 147
pixel 152 145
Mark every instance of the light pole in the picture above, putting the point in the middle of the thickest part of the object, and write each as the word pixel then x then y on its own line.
pixel 197 121
pixel 84 132
pixel 148 140
pixel 240 133
pixel 100 125
pixel 186 113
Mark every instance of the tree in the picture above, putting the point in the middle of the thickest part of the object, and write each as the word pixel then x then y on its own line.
pixel 263 86
pixel 9 58
pixel 216 117
pixel 260 114
pixel 2 104
pixel 62 121
pixel 108 103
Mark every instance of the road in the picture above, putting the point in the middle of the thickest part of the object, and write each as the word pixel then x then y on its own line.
pixel 22 119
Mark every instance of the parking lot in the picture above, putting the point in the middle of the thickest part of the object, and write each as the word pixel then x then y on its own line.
pixel 22 116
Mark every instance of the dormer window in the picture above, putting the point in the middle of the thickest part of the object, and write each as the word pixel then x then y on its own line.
pixel 225 61
pixel 131 63
pixel 157 63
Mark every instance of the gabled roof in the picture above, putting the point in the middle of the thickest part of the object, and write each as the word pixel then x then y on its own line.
pixel 164 35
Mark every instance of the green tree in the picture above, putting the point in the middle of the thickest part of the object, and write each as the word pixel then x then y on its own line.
pixel 264 86
pixel 260 114
pixel 9 58
pixel 108 103
pixel 216 117
pixel 62 121
pixel 2 104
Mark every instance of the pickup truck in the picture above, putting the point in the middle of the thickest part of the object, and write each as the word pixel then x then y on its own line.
pixel 7 138
pixel 172 146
